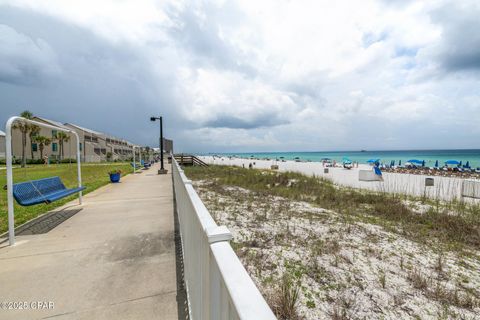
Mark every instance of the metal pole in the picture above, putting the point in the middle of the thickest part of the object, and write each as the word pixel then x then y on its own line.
pixel 161 143
pixel 79 167
pixel 8 151
pixel 134 164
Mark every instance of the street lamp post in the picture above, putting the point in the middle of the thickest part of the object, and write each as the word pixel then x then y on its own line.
pixel 162 169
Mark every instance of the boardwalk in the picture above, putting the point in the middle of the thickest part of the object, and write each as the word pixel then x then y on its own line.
pixel 114 259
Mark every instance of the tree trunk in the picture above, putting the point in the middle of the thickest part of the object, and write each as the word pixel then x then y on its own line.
pixel 41 152
pixel 31 147
pixel 61 150
pixel 24 144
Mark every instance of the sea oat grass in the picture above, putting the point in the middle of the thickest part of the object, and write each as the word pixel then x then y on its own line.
pixel 455 224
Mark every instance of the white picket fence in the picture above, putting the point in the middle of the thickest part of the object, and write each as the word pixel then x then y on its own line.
pixel 218 286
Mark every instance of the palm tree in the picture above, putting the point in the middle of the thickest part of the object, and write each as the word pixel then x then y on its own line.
pixel 42 142
pixel 24 129
pixel 34 130
pixel 61 137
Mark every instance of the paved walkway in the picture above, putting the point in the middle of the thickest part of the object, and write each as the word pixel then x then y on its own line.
pixel 114 259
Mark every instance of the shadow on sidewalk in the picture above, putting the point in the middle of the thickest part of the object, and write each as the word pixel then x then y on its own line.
pixel 44 223
pixel 182 301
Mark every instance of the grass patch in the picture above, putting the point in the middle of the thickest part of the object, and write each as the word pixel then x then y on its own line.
pixel 457 230
pixel 93 177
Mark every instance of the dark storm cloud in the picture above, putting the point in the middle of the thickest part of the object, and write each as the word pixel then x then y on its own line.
pixel 24 60
pixel 460 45
pixel 106 87
pixel 261 121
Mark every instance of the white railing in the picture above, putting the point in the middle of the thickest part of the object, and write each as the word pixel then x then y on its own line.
pixel 218 286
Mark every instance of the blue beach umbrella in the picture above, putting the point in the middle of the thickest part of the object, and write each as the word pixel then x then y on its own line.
pixel 436 164
pixel 399 162
pixel 423 163
pixel 460 164
pixel 452 162
pixel 415 161
pixel 467 165
pixel 373 160
pixel 346 160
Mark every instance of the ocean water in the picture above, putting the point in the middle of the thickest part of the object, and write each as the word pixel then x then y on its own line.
pixel 429 156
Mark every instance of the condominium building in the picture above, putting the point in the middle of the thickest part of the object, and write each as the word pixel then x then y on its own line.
pixel 167 145
pixel 2 144
pixel 46 142
pixel 35 148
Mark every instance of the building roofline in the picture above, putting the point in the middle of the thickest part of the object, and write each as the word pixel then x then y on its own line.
pixel 97 133
pixel 84 129
pixel 52 122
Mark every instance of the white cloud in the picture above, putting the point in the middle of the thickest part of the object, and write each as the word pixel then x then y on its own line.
pixel 315 73
pixel 227 99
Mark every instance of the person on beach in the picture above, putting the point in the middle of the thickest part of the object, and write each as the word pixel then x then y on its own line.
pixel 377 170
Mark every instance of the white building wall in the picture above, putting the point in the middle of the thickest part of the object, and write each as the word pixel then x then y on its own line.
pixel 2 145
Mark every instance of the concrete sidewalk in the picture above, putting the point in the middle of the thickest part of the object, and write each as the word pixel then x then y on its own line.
pixel 114 259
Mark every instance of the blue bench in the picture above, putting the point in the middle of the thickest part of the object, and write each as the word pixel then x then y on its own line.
pixel 146 165
pixel 41 191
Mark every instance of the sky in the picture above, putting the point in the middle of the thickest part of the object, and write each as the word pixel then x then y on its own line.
pixel 233 76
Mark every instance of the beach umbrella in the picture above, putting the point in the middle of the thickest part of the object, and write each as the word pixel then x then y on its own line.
pixel 346 160
pixel 373 160
pixel 399 162
pixel 415 161
pixel 453 162
pixel 423 163
pixel 460 164
pixel 436 164
pixel 467 165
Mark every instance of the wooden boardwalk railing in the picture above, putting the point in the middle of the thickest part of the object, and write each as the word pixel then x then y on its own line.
pixel 189 160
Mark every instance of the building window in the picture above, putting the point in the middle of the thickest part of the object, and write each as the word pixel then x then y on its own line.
pixel 34 147
pixel 80 146
pixel 54 134
pixel 54 147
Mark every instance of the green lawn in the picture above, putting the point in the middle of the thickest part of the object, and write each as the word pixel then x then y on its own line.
pixel 93 177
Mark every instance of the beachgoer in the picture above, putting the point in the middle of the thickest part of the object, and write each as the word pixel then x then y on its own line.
pixel 377 171
pixel 250 166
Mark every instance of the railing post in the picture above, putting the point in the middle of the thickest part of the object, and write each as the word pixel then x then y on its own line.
pixel 217 234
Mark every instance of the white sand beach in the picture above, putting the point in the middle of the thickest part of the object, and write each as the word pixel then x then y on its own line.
pixel 445 188
pixel 345 267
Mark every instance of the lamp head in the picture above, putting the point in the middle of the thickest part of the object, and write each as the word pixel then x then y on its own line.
pixel 152 118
